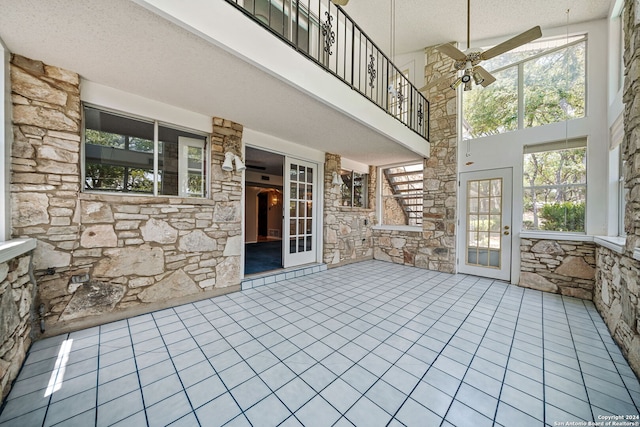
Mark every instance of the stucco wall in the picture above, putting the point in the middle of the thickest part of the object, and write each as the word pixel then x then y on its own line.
pixel 100 256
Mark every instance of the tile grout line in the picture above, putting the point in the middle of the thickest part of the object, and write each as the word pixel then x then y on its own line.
pixel 135 362
pixel 610 356
pixel 506 368
pixel 469 288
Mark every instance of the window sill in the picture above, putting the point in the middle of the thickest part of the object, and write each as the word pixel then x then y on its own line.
pixel 545 235
pixel 409 228
pixel 356 209
pixel 14 248
pixel 636 254
pixel 145 199
pixel 614 243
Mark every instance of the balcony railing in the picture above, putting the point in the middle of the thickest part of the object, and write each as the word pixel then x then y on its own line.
pixel 325 34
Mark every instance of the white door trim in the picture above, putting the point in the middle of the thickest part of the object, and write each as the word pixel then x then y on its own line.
pixel 502 272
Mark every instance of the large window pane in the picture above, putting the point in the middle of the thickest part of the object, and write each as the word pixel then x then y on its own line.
pixel 555 190
pixel 554 87
pixel 494 109
pixel 120 157
pixel 118 153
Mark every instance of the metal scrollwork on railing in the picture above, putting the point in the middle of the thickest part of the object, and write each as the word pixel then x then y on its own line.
pixel 400 96
pixel 328 34
pixel 371 70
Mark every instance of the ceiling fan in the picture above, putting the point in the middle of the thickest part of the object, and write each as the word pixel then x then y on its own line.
pixel 468 60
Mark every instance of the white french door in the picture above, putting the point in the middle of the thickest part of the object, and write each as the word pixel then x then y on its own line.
pixel 485 233
pixel 300 219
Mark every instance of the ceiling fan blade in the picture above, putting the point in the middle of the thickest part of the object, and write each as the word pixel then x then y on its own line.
pixel 436 82
pixel 487 76
pixel 340 2
pixel 452 52
pixel 513 43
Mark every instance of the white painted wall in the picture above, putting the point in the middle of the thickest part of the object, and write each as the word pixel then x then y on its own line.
pixel 218 22
pixel 506 150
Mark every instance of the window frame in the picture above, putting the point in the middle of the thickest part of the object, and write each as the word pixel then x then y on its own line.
pixel 519 67
pixel 578 143
pixel 365 189
pixel 206 141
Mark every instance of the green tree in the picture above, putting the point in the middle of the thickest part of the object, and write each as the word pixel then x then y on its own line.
pixel 102 176
pixel 553 91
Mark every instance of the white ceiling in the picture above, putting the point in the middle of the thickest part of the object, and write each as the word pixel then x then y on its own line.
pixel 421 23
pixel 119 44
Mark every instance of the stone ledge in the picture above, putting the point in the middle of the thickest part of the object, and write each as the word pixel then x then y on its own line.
pixel 616 244
pixel 14 248
pixel 545 235
pixel 636 254
pixel 145 199
pixel 409 228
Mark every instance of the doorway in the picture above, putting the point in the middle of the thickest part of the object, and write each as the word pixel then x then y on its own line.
pixel 485 223
pixel 281 211
pixel 263 211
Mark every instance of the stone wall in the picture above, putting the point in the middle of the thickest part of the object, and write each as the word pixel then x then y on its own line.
pixel 617 294
pixel 563 267
pixel 101 257
pixel 16 299
pixel 434 247
pixel 347 231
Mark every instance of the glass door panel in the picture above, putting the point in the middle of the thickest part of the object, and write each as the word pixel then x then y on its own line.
pixel 301 217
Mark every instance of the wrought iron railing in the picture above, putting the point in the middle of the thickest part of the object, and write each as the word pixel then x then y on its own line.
pixel 325 34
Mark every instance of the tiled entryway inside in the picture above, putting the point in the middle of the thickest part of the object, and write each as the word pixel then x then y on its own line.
pixel 368 344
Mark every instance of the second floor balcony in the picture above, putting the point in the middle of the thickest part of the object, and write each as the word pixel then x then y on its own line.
pixel 326 35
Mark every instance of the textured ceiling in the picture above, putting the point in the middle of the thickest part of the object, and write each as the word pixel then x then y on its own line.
pixel 119 44
pixel 421 23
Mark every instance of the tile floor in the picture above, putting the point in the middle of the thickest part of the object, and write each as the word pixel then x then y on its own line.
pixel 368 344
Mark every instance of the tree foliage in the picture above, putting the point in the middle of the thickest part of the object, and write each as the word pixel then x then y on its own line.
pixel 99 176
pixel 553 91
pixel 558 179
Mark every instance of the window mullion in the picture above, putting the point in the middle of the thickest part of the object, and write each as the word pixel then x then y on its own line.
pixel 521 96
pixel 155 158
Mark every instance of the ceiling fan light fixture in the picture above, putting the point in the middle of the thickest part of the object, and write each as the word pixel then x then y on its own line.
pixel 466 78
pixel 468 86
pixel 477 78
pixel 457 83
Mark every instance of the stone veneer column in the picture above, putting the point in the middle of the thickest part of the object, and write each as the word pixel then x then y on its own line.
pixel 440 171
pixel 617 294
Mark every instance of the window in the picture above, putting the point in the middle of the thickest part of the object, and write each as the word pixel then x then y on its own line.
pixel 354 189
pixel 130 155
pixel 539 83
pixel 555 186
pixel 402 195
